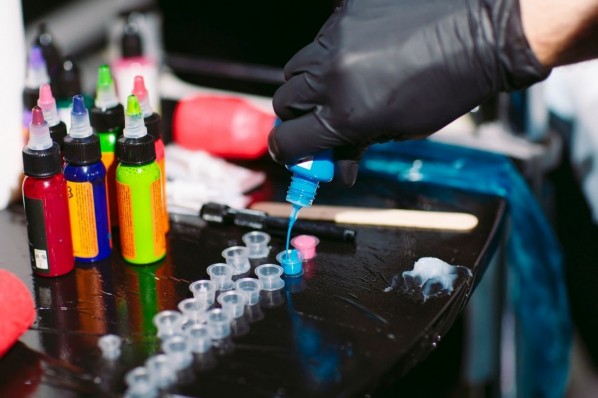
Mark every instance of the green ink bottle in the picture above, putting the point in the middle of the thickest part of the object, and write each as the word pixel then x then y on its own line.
pixel 107 120
pixel 139 191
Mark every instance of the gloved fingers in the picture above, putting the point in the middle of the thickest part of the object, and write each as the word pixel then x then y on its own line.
pixel 308 59
pixel 314 54
pixel 295 139
pixel 295 98
pixel 346 160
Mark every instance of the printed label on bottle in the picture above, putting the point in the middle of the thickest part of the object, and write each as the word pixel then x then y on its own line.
pixel 162 165
pixel 41 259
pixel 83 219
pixel 36 232
pixel 125 220
pixel 108 159
pixel 158 216
pixel 307 164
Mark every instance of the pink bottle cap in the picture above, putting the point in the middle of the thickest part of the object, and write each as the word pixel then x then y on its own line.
pixel 306 244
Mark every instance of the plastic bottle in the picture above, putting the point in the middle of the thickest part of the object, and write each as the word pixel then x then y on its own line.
pixel 153 123
pixel 37 74
pixel 225 126
pixel 46 202
pixel 305 181
pixel 108 120
pixel 139 191
pixel 86 184
pixel 68 85
pixel 52 55
pixel 47 103
pixel 133 62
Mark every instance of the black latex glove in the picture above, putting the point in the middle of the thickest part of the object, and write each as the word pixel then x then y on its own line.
pixel 397 69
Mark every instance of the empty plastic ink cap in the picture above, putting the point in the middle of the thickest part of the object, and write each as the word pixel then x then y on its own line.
pixel 140 383
pixel 161 372
pixel 222 275
pixel 178 352
pixel 269 275
pixel 198 337
pixel 257 244
pixel 306 244
pixel 110 346
pixel 291 261
pixel 169 323
pixel 204 290
pixel 194 309
pixel 218 323
pixel 233 302
pixel 236 257
pixel 251 288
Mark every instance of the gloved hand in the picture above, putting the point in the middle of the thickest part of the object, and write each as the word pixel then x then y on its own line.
pixel 383 70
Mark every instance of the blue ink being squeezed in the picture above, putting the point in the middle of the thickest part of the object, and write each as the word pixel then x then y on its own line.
pixel 292 219
pixel 290 259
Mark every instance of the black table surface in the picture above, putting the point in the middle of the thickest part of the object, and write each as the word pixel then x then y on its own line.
pixel 332 332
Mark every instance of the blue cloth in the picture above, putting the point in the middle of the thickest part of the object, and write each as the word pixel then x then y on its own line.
pixel 534 256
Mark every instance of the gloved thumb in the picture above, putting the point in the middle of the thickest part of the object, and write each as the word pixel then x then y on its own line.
pixel 346 160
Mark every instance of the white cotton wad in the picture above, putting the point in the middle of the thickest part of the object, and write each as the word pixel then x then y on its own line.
pixel 434 277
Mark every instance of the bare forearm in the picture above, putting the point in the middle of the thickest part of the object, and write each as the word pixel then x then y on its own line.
pixel 561 32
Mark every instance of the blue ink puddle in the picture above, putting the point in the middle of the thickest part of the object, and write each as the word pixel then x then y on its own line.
pixel 430 277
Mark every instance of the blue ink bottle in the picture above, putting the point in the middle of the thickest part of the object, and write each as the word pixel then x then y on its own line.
pixel 305 181
pixel 86 184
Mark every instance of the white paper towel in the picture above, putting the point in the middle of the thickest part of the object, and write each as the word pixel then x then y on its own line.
pixel 12 80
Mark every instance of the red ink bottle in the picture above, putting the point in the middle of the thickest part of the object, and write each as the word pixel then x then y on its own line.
pixel 46 202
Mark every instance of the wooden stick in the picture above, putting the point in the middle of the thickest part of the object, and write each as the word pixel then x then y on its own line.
pixel 375 217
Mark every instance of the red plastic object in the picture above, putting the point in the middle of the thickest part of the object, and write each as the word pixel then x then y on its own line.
pixel 229 127
pixel 17 310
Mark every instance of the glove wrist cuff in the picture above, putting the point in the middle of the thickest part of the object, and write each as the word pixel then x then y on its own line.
pixel 519 67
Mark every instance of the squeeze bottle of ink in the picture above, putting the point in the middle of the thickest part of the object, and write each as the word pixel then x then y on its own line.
pixel 47 103
pixel 153 123
pixel 68 85
pixel 46 202
pixel 37 74
pixel 86 185
pixel 139 191
pixel 108 120
pixel 52 55
pixel 133 62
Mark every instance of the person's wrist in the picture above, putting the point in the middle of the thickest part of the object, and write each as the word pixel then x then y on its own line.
pixel 560 32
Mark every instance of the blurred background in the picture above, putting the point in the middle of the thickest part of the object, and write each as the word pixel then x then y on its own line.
pixel 232 55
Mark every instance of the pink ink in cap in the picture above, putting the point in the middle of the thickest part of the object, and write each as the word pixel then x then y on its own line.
pixel 306 244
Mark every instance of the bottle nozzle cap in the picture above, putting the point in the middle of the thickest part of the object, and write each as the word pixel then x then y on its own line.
pixel 140 92
pixel 39 132
pixel 134 124
pixel 80 127
pixel 47 103
pixel 105 91
pixel 37 73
